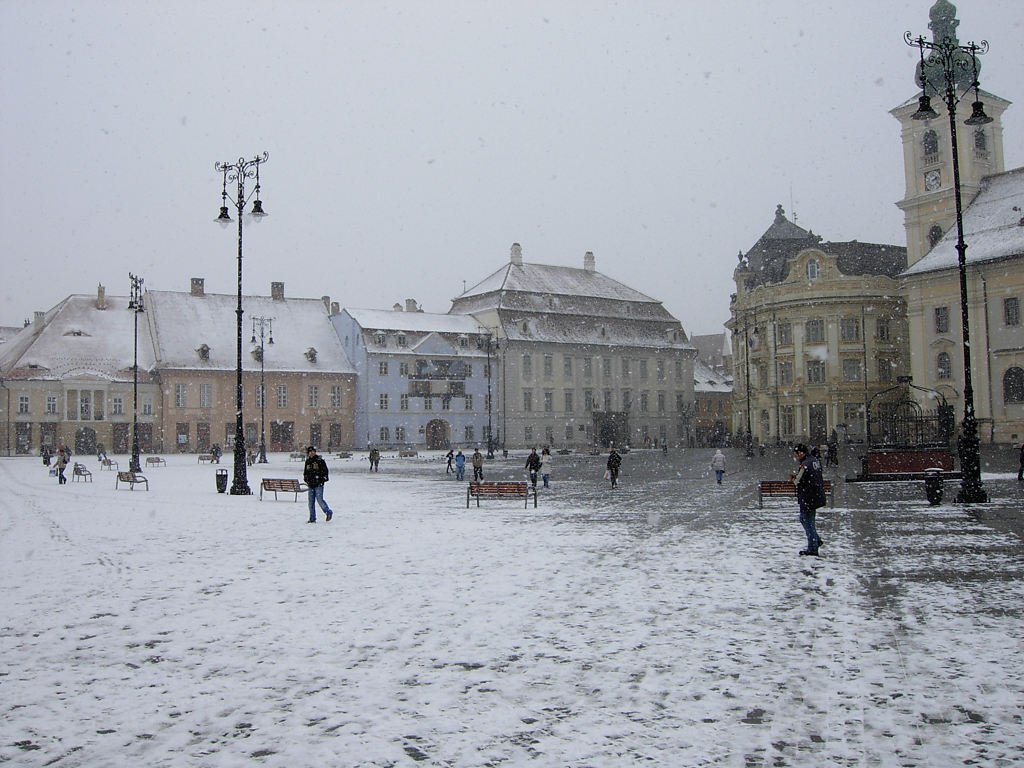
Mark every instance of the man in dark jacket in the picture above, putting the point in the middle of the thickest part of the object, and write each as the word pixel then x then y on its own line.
pixel 614 462
pixel 315 474
pixel 810 494
pixel 533 466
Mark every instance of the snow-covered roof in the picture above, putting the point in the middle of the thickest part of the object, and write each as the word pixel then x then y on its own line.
pixel 993 226
pixel 705 380
pixel 414 322
pixel 559 281
pixel 77 338
pixel 184 322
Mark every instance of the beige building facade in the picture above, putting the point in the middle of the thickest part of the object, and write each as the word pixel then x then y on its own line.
pixel 817 329
pixel 581 359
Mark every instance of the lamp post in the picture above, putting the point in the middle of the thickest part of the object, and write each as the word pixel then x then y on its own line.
pixel 950 65
pixel 135 304
pixel 490 432
pixel 238 172
pixel 264 324
pixel 746 384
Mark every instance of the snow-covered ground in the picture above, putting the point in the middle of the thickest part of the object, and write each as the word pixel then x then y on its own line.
pixel 667 623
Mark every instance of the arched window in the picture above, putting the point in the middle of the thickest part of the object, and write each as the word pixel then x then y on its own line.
pixel 934 235
pixel 930 142
pixel 1013 385
pixel 943 368
pixel 980 140
pixel 812 269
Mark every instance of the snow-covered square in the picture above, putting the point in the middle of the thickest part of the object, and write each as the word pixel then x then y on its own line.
pixel 669 622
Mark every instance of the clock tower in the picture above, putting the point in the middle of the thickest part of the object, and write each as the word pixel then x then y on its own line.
pixel 928 206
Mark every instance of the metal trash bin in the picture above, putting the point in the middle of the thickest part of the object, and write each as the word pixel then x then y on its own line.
pixel 222 481
pixel 933 486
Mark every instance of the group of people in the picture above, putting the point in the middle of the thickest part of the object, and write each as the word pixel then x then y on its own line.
pixel 457 464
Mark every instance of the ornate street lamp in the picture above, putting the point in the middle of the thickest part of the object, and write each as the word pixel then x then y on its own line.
pixel 238 172
pixel 264 324
pixel 948 68
pixel 491 341
pixel 135 304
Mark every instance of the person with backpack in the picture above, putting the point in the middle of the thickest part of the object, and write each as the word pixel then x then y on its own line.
pixel 810 495
pixel 478 465
pixel 315 475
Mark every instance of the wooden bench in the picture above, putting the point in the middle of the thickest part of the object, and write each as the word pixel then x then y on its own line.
pixel 132 479
pixel 501 490
pixel 786 489
pixel 79 471
pixel 296 456
pixel 282 485
pixel 205 458
pixel 155 461
pixel 108 464
pixel 408 454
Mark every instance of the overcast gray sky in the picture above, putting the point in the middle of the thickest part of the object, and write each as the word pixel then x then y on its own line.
pixel 411 143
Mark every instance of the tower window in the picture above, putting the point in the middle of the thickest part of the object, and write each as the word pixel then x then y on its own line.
pixel 934 235
pixel 930 144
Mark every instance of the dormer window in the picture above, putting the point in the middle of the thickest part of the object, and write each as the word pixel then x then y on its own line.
pixel 203 352
pixel 401 340
pixel 463 341
pixel 812 269
pixel 380 338
pixel 311 354
pixel 76 332
pixel 526 328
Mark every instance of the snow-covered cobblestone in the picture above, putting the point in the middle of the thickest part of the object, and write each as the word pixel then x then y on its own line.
pixel 668 623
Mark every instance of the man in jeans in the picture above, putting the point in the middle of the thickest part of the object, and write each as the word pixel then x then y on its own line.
pixel 315 474
pixel 810 495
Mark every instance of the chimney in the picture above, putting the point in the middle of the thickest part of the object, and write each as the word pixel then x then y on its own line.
pixel 327 302
pixel 588 261
pixel 197 286
pixel 37 318
pixel 335 308
pixel 277 291
pixel 101 297
pixel 410 305
pixel 397 307
pixel 517 254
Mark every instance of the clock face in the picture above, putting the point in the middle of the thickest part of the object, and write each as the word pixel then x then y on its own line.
pixel 932 180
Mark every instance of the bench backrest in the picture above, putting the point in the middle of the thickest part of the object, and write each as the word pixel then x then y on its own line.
pixel 128 477
pixel 274 484
pixel 498 487
pixel 768 486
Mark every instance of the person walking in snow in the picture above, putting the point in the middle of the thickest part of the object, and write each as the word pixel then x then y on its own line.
pixel 460 466
pixel 533 466
pixel 545 467
pixel 374 460
pixel 810 495
pixel 718 464
pixel 315 475
pixel 1020 472
pixel 614 462
pixel 450 456
pixel 59 464
pixel 478 465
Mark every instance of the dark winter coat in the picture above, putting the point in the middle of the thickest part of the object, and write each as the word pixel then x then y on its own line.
pixel 315 472
pixel 614 461
pixel 810 486
pixel 533 462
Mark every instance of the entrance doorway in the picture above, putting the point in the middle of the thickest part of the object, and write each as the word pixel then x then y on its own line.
pixel 438 434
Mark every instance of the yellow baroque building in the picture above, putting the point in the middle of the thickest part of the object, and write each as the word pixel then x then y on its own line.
pixel 817 329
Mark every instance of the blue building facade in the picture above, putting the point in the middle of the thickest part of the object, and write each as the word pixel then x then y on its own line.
pixel 422 378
